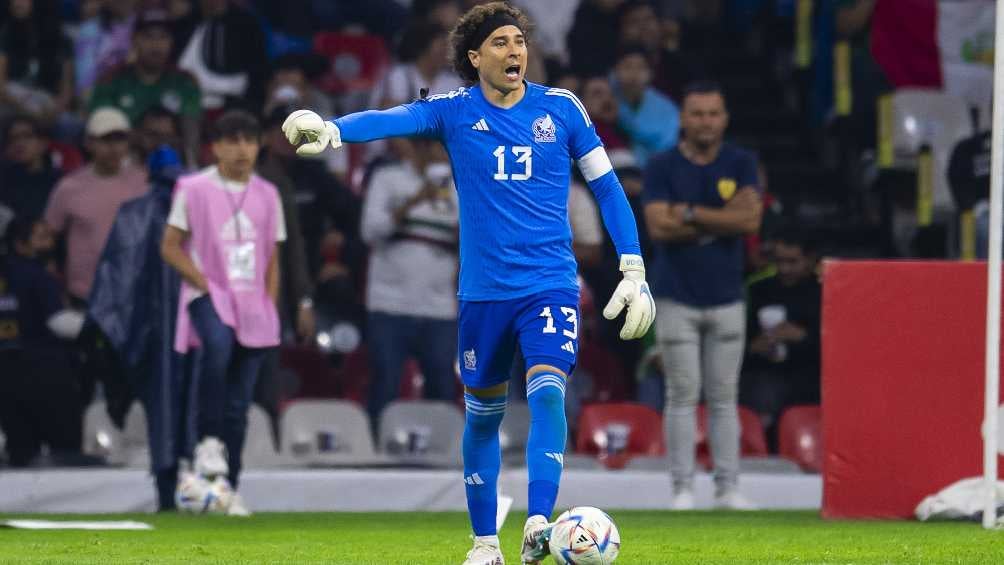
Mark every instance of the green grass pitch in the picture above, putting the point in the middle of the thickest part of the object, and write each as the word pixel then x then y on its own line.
pixel 434 538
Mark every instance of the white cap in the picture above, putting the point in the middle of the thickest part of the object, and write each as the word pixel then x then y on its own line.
pixel 104 121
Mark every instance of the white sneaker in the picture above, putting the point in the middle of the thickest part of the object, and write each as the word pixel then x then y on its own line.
pixel 237 507
pixel 485 552
pixel 683 499
pixel 732 500
pixel 536 532
pixel 211 458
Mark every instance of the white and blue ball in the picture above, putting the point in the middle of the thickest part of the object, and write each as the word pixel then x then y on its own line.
pixel 198 495
pixel 584 536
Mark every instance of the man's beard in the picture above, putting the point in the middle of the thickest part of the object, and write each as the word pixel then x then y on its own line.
pixel 702 145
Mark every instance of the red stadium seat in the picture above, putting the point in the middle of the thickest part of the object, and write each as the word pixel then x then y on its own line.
pixel 356 61
pixel 752 439
pixel 800 437
pixel 602 429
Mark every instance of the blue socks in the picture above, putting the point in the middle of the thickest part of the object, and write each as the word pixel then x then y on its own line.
pixel 545 448
pixel 482 460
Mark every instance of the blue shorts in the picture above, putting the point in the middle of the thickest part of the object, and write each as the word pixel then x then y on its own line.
pixel 546 326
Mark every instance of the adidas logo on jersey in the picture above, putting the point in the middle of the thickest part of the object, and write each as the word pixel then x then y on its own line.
pixel 569 347
pixel 474 479
pixel 559 457
pixel 481 125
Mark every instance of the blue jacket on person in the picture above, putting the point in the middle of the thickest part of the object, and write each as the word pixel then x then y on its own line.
pixel 134 301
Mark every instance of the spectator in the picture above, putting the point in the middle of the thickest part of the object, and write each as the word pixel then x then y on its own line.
pixel 598 98
pixel 151 80
pixel 442 12
pixel 649 118
pixel 83 205
pixel 782 327
pixel 552 21
pixel 225 49
pixel 423 66
pixel 410 219
pixel 103 43
pixel 329 214
pixel 36 66
pixel 290 83
pixel 40 402
pixel 157 127
pixel 81 210
pixel 640 23
pixel 134 301
pixel 594 31
pixel 230 220
pixel 296 302
pixel 27 176
pixel 867 81
pixel 701 197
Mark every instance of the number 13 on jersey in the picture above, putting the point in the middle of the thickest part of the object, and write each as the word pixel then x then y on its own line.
pixel 524 156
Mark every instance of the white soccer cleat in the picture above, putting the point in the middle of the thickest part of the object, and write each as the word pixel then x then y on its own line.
pixel 683 499
pixel 732 500
pixel 535 536
pixel 485 552
pixel 211 458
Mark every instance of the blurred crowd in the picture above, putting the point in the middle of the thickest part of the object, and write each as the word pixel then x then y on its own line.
pixel 92 90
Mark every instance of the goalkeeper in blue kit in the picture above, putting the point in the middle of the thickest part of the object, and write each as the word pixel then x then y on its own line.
pixel 510 143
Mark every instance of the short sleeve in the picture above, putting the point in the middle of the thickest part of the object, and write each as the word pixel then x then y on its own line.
pixel 57 211
pixel 656 185
pixel 178 217
pixel 582 136
pixel 748 175
pixel 280 222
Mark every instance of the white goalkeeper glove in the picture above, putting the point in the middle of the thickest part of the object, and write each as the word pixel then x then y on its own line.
pixel 634 293
pixel 313 131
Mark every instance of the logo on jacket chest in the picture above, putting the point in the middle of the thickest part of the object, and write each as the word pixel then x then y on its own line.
pixel 543 129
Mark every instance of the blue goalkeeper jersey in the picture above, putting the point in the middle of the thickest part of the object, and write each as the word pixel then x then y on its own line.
pixel 512 169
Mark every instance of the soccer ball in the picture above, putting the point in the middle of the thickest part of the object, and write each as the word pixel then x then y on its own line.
pixel 198 495
pixel 584 536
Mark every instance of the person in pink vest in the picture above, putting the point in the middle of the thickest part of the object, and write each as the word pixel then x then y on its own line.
pixel 222 236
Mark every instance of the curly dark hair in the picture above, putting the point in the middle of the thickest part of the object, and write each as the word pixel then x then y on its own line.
pixel 463 35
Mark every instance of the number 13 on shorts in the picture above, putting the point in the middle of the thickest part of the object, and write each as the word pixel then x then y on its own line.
pixel 568 321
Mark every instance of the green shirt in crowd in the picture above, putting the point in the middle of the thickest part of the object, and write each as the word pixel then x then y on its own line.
pixel 176 90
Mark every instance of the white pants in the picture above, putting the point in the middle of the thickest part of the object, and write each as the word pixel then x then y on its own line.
pixel 702 346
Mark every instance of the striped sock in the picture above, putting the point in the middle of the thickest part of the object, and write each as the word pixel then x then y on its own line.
pixel 482 460
pixel 545 448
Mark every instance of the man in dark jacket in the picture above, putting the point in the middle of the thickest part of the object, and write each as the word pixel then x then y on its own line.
pixel 134 302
